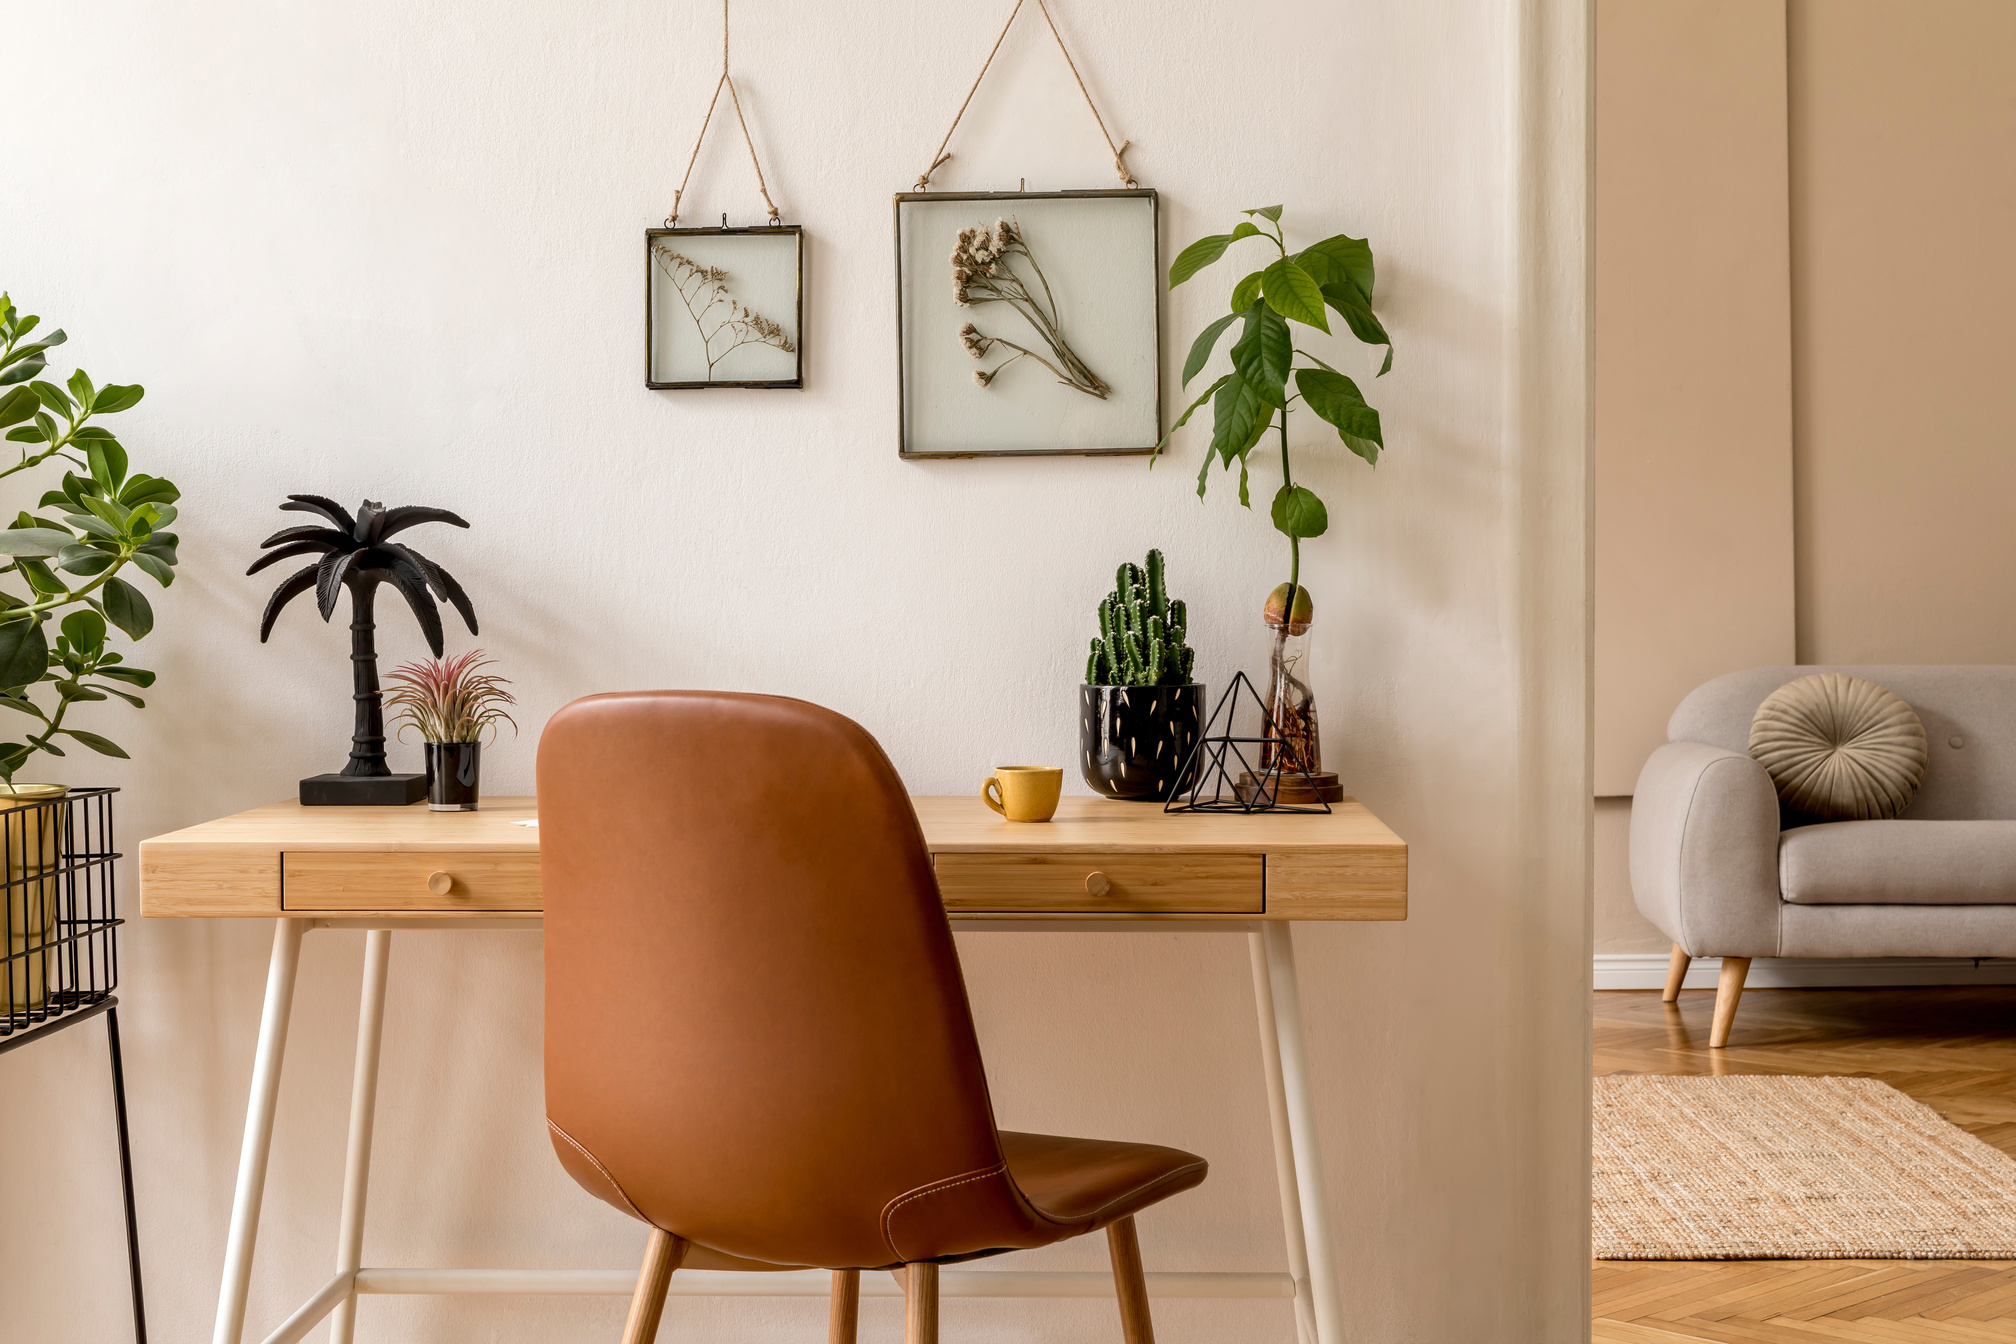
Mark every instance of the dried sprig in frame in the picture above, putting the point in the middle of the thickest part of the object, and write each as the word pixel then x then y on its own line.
pixel 724 307
pixel 1028 323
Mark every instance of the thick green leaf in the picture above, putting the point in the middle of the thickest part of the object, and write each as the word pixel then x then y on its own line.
pixel 145 489
pixel 1298 513
pixel 108 463
pixel 1291 293
pixel 154 566
pixel 115 514
pixel 117 397
pixel 23 704
pixel 73 691
pixel 85 629
pixel 132 700
pixel 80 388
pixel 55 399
pixel 1246 228
pixel 1247 292
pixel 24 654
pixel 82 560
pixel 1197 256
pixel 17 406
pixel 1339 258
pixel 127 608
pixel 25 434
pixel 1269 212
pixel 103 746
pixel 1264 353
pixel 20 352
pixel 38 541
pixel 1239 416
pixel 39 576
pixel 1337 399
pixel 85 522
pixel 1201 348
pixel 21 373
pixel 133 676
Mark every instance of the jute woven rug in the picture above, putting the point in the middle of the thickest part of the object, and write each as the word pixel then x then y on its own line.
pixel 1771 1168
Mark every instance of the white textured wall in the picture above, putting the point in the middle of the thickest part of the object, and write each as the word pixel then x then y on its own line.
pixel 392 249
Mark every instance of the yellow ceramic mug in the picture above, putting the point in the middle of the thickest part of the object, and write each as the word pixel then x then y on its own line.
pixel 1024 792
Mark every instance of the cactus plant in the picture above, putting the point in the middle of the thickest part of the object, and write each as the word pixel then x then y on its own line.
pixel 1142 632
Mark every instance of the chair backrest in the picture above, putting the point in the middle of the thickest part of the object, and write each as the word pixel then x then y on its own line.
pixel 756 1030
pixel 1971 705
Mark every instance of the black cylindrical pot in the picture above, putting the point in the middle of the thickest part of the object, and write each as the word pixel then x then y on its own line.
pixel 451 775
pixel 1133 741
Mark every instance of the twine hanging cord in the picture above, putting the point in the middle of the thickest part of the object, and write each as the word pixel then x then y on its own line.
pixel 673 218
pixel 1119 150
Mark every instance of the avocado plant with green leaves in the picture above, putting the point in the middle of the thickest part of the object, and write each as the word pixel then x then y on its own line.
pixel 1335 274
pixel 72 553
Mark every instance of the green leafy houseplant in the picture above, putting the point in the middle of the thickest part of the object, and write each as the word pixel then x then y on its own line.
pixel 1335 274
pixel 73 554
pixel 1141 632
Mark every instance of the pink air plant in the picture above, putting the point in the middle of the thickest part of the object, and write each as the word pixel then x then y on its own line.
pixel 449 699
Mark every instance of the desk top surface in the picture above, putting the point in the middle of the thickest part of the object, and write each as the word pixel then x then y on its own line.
pixel 952 825
pixel 1095 858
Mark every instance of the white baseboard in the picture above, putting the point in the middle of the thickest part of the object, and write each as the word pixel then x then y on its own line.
pixel 1647 970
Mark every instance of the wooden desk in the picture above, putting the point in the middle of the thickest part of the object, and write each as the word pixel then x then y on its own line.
pixel 1098 867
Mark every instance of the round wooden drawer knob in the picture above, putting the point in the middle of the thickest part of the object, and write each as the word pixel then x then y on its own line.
pixel 1097 884
pixel 440 883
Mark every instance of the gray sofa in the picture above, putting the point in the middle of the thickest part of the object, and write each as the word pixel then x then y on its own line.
pixel 1713 867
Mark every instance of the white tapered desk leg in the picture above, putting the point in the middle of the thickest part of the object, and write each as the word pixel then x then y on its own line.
pixel 258 1130
pixel 1284 1144
pixel 363 1105
pixel 1278 943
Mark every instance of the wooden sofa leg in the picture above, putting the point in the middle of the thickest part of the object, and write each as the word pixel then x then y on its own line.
pixel 843 1318
pixel 1727 993
pixel 662 1255
pixel 1676 972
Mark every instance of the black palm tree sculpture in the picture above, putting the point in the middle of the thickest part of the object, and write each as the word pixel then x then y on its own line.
pixel 358 554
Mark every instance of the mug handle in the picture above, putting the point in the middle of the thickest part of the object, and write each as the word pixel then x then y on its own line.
pixel 990 794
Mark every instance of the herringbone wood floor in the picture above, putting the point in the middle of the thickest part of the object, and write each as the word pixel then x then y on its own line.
pixel 1953 1049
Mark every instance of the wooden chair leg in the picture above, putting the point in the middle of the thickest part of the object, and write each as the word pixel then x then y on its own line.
pixel 1727 992
pixel 662 1255
pixel 920 1305
pixel 844 1316
pixel 1676 972
pixel 1128 1282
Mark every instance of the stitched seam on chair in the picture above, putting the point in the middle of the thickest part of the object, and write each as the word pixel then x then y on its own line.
pixel 937 1187
pixel 613 1185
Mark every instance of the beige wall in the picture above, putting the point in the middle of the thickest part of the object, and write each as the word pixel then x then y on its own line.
pixel 1693 408
pixel 1892 128
pixel 1903 219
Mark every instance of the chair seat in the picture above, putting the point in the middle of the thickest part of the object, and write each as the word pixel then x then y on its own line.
pixel 1899 863
pixel 1084 1184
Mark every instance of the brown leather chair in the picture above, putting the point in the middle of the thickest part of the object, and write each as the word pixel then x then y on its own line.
pixel 757 1036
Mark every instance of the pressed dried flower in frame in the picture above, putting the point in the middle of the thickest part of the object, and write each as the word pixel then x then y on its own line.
pixel 724 307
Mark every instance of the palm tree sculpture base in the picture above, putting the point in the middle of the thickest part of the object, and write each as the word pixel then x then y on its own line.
pixel 358 555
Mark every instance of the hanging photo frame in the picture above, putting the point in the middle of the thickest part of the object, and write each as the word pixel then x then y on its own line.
pixel 724 307
pixel 1028 323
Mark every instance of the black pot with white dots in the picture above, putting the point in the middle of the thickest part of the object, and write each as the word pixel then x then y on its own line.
pixel 1133 741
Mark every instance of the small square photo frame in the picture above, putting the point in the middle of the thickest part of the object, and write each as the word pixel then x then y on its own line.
pixel 724 307
pixel 1064 352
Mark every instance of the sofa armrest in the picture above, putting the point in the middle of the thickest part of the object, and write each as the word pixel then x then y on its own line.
pixel 1704 850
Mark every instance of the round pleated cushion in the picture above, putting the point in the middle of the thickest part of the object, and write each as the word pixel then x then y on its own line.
pixel 1840 748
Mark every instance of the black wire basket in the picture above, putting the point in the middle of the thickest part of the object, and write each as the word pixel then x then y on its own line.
pixel 59 914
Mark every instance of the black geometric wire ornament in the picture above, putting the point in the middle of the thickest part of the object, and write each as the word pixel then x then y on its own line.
pixel 1214 787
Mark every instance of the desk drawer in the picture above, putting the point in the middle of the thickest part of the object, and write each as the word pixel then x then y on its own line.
pixel 331 880
pixel 1103 883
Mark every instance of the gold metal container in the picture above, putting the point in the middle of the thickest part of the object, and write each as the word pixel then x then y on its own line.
pixel 31 833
